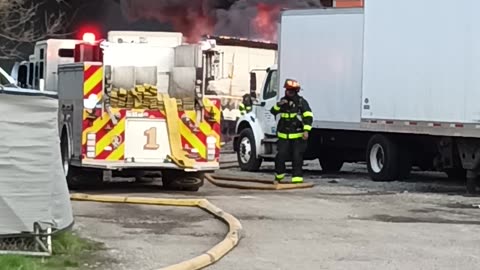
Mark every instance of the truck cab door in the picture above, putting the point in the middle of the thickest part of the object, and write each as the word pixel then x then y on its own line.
pixel 268 99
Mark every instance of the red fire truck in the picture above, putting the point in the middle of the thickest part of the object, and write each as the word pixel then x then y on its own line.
pixel 126 109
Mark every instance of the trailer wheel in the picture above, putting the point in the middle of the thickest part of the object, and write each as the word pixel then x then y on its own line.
pixel 247 152
pixel 382 159
pixel 331 163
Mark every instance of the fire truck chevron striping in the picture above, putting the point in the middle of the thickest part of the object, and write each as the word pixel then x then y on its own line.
pixel 93 82
pixel 106 140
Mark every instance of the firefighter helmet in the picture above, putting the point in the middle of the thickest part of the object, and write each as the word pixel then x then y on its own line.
pixel 291 84
pixel 247 100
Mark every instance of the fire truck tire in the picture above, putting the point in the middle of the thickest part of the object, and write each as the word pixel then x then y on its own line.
pixel 80 177
pixel 71 173
pixel 182 181
pixel 73 178
pixel 65 152
pixel 247 152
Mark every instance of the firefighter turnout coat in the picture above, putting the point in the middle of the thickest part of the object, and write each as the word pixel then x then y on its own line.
pixel 296 118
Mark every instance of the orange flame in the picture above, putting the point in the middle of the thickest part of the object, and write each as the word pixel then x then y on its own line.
pixel 265 22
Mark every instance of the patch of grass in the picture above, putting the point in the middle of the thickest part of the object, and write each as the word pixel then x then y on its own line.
pixel 69 252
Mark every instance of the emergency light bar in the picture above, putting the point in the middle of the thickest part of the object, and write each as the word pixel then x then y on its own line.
pixel 89 50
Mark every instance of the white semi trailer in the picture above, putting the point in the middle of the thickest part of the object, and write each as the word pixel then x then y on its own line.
pixel 238 57
pixel 394 84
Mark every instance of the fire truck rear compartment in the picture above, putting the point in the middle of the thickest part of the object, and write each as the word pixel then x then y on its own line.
pixel 140 110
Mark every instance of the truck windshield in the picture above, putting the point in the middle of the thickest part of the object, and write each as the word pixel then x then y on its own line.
pixel 271 87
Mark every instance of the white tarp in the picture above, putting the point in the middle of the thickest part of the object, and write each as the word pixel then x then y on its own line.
pixel 32 183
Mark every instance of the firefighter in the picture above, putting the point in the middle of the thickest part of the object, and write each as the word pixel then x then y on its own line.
pixel 293 129
pixel 246 104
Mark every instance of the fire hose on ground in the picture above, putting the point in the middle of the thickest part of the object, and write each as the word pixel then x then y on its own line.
pixel 235 182
pixel 208 258
pixel 226 181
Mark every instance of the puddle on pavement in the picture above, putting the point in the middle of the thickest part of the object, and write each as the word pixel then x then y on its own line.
pixel 455 211
pixel 462 205
pixel 369 193
pixel 402 219
pixel 267 218
pixel 246 217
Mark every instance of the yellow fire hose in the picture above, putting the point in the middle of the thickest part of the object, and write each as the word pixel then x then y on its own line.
pixel 211 256
pixel 225 181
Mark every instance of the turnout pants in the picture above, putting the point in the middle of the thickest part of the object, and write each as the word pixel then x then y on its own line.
pixel 290 149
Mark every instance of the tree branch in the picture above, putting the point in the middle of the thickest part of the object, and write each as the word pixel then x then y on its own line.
pixel 24 22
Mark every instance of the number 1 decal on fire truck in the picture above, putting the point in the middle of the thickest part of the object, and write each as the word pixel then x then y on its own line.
pixel 151 135
pixel 146 139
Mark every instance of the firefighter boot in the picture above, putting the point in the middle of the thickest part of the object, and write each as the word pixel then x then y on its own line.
pixel 297 180
pixel 279 178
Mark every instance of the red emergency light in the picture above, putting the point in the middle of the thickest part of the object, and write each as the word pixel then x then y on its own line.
pixel 89 38
pixel 89 50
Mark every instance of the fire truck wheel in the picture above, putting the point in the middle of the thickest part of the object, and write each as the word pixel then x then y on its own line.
pixel 78 178
pixel 182 181
pixel 144 179
pixel 74 175
pixel 65 151
pixel 247 152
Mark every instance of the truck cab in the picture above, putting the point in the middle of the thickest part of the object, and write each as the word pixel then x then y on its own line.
pixel 256 131
pixel 40 72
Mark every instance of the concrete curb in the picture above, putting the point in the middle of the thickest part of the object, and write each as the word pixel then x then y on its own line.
pixel 210 257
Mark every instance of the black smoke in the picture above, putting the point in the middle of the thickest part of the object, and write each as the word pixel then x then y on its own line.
pixel 220 17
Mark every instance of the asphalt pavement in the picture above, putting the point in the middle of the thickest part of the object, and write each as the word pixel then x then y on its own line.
pixel 345 222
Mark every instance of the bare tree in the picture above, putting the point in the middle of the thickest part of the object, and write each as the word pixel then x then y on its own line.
pixel 24 22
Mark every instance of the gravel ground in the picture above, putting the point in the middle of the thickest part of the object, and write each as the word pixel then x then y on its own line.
pixel 345 222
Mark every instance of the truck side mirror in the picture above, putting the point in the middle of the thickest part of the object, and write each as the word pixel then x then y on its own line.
pixel 253 84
